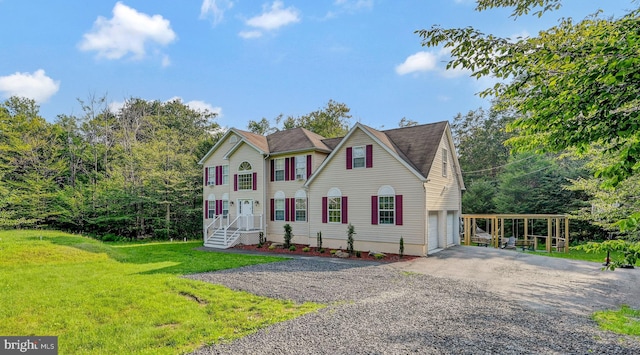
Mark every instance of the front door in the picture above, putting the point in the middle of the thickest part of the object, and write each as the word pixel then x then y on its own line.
pixel 245 211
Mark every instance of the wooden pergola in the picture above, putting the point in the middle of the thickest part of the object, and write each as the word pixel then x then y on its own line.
pixel 556 237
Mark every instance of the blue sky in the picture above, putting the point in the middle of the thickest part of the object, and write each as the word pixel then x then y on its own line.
pixel 249 59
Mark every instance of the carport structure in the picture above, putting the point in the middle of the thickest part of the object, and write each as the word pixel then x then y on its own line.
pixel 526 229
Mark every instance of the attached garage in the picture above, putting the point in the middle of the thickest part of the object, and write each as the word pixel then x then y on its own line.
pixel 450 228
pixel 433 231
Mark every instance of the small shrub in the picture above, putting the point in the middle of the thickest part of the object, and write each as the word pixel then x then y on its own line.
pixel 259 245
pixel 351 231
pixel 287 235
pixel 306 249
pixel 319 241
pixel 292 247
pixel 261 238
pixel 321 251
pixel 272 247
pixel 378 256
pixel 401 251
pixel 358 254
pixel 332 252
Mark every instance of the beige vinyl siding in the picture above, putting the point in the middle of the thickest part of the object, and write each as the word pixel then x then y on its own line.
pixel 443 192
pixel 300 230
pixel 247 153
pixel 215 159
pixel 359 184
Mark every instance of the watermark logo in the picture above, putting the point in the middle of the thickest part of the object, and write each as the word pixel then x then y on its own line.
pixel 34 345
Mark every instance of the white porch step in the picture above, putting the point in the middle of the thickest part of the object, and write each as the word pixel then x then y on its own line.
pixel 217 240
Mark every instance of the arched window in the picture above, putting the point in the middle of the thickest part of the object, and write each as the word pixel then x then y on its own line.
pixel 301 206
pixel 386 205
pixel 245 177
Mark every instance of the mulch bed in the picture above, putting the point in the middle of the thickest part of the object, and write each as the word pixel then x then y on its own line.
pixel 364 255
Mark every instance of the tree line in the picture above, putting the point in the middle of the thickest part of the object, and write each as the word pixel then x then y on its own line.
pixel 130 173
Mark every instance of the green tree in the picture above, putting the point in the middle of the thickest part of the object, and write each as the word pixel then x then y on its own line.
pixel 330 121
pixel 573 85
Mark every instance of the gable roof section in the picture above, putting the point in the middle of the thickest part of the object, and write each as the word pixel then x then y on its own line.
pixel 256 141
pixel 419 144
pixel 288 141
pixel 294 140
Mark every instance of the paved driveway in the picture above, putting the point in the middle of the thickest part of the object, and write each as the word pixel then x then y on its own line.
pixel 464 300
pixel 539 281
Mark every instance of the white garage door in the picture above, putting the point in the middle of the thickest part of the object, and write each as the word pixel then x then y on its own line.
pixel 450 231
pixel 433 230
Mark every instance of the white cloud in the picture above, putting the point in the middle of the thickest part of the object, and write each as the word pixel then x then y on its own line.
pixel 250 34
pixel 199 106
pixel 115 106
pixel 419 62
pixel 166 61
pixel 215 9
pixel 37 86
pixel 272 18
pixel 128 31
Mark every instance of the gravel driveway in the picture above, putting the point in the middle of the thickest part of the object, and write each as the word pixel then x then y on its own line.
pixel 463 300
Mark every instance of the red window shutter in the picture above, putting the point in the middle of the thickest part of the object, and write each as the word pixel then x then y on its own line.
pixel 219 206
pixel 292 168
pixel 219 175
pixel 399 210
pixel 349 158
pixel 235 182
pixel 206 209
pixel 345 220
pixel 286 169
pixel 308 165
pixel 206 176
pixel 272 209
pixel 324 209
pixel 374 209
pixel 369 158
pixel 273 171
pixel 255 181
pixel 287 208
pixel 292 204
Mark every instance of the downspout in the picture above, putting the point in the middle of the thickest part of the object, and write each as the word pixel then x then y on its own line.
pixel 425 226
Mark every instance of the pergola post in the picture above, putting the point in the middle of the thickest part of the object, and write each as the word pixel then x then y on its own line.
pixel 549 232
pixel 526 230
pixel 566 234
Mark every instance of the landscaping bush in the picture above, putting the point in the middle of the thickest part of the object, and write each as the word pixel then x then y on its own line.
pixel 261 239
pixel 401 249
pixel 321 251
pixel 350 233
pixel 319 241
pixel 287 235
pixel 332 252
pixel 358 254
pixel 378 256
pixel 272 247
pixel 306 249
pixel 292 248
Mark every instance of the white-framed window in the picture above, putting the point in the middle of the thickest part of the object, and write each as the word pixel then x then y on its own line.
pixel 245 177
pixel 444 162
pixel 278 167
pixel 225 175
pixel 211 206
pixel 359 157
pixel 386 209
pixel 279 206
pixel 301 206
pixel 301 167
pixel 211 180
pixel 334 206
pixel 225 208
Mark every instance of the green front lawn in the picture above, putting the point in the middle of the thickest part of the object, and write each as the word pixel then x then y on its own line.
pixel 124 299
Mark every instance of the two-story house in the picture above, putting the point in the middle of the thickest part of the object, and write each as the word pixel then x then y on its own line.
pixel 402 182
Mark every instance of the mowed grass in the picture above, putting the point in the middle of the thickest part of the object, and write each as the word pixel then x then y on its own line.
pixel 125 299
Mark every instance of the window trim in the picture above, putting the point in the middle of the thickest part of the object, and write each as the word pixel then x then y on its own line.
pixel 301 167
pixel 354 156
pixel 277 169
pixel 391 210
pixel 336 216
pixel 276 209
pixel 211 176
pixel 225 174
